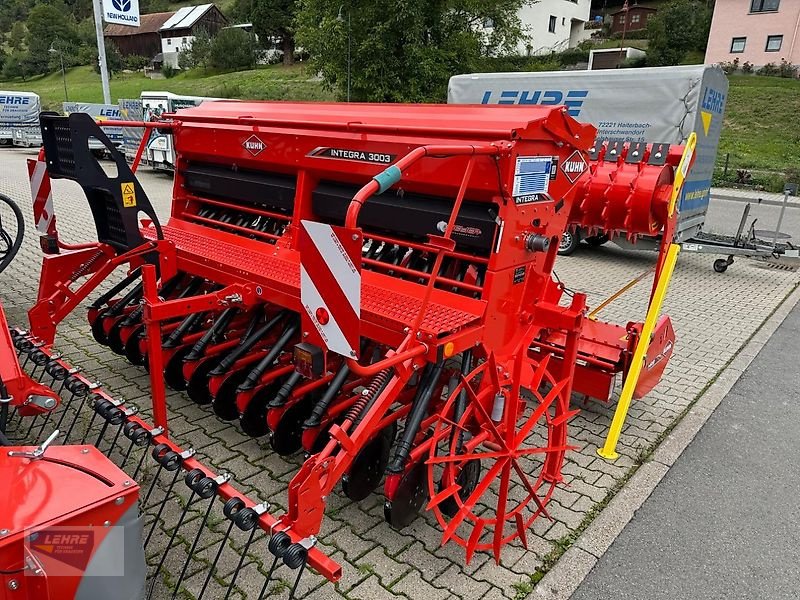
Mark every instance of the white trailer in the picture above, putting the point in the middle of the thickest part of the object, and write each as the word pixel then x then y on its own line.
pixel 19 114
pixel 657 104
pixel 99 112
pixel 160 153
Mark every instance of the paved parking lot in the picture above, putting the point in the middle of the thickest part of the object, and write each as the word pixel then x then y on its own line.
pixel 713 314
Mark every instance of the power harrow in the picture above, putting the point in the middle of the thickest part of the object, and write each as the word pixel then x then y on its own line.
pixel 369 285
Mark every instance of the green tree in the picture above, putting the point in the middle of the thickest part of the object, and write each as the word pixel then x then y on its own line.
pixel 232 48
pixel 198 54
pixel 273 22
pixel 49 25
pixel 679 27
pixel 404 51
pixel 16 37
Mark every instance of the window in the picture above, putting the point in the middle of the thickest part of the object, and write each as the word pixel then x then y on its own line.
pixel 774 43
pixel 169 41
pixel 737 45
pixel 635 18
pixel 563 20
pixel 757 6
pixel 552 26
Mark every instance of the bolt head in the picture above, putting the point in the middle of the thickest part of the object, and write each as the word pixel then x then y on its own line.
pixel 4 531
pixel 84 451
pixel 107 524
pixel 119 500
pixel 127 483
pixel 13 584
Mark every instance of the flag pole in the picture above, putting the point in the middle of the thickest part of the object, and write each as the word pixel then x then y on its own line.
pixel 101 50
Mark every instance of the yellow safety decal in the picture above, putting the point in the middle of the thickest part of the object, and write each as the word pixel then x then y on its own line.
pixel 128 195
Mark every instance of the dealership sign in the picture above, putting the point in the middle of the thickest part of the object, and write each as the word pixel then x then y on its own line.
pixel 122 12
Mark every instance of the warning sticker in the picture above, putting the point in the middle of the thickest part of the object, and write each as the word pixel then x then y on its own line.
pixel 532 175
pixel 128 195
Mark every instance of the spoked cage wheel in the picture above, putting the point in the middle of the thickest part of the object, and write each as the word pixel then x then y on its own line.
pixel 492 468
pixel 12 230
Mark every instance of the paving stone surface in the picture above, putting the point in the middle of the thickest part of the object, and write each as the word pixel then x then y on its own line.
pixel 713 315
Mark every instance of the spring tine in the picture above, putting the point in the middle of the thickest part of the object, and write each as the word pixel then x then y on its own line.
pixel 269 578
pixel 153 482
pixel 297 581
pixel 213 566
pixel 127 455
pixel 162 506
pixel 89 427
pixel 30 427
pixel 140 463
pixel 44 424
pixel 99 437
pixel 65 408
pixel 240 563
pixel 114 441
pixel 194 545
pixel 169 545
pixel 75 419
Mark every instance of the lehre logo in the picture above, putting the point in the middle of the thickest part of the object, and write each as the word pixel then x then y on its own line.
pixel 574 166
pixel 254 145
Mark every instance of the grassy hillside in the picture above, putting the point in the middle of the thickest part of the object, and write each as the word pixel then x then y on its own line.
pixel 760 131
pixel 267 83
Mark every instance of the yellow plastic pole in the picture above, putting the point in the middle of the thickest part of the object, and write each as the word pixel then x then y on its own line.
pixel 682 171
pixel 608 451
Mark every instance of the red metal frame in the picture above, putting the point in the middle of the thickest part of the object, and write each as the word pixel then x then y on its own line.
pixel 512 319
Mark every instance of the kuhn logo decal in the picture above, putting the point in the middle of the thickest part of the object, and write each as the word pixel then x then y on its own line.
pixel 574 166
pixel 254 145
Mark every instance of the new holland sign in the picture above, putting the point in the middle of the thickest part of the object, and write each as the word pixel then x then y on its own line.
pixel 122 12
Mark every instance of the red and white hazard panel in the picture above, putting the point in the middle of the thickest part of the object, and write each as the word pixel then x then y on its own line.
pixel 42 195
pixel 330 286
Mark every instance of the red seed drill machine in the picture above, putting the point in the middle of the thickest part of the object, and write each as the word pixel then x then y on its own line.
pixel 371 285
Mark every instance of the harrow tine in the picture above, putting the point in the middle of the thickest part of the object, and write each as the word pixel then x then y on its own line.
pixel 297 580
pixel 200 528
pixel 201 486
pixel 231 508
pixel 246 520
pixel 269 577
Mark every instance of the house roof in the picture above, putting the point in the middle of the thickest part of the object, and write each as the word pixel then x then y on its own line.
pixel 186 17
pixel 149 24
pixel 639 6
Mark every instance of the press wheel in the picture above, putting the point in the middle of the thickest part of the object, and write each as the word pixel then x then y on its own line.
pixel 254 417
pixel 197 387
pixel 369 465
pixel 287 438
pixel 173 371
pixel 224 403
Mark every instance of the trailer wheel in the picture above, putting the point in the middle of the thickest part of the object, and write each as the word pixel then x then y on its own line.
pixel 569 242
pixel 721 265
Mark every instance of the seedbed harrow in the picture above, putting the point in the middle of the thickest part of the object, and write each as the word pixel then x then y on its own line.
pixel 369 285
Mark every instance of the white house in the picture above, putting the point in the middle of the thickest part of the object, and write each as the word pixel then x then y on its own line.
pixel 179 31
pixel 554 25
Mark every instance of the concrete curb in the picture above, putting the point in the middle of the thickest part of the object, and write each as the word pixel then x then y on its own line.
pixel 577 562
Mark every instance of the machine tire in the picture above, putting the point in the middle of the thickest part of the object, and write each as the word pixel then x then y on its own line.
pixel 720 265
pixel 595 241
pixel 569 242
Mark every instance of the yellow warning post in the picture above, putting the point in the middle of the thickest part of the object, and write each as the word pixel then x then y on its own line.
pixel 128 194
pixel 608 451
